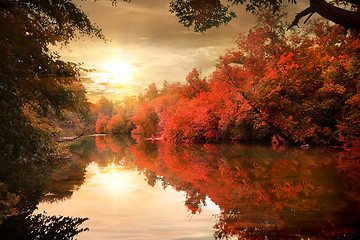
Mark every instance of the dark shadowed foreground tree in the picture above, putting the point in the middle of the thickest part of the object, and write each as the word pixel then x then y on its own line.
pixel 205 14
pixel 33 79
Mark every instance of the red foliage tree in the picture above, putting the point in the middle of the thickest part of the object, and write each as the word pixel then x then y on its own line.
pixel 101 125
pixel 301 87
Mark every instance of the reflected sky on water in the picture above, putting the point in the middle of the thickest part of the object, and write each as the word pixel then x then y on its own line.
pixel 121 205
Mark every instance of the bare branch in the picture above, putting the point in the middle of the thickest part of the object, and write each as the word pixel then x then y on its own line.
pixel 307 19
pixel 300 15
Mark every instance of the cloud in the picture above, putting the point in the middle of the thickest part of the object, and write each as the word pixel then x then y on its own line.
pixel 146 35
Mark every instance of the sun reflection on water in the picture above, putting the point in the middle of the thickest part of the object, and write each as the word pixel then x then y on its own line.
pixel 113 180
pixel 119 202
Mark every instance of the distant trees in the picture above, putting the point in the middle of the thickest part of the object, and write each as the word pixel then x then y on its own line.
pixel 114 117
pixel 101 125
pixel 151 92
pixel 105 107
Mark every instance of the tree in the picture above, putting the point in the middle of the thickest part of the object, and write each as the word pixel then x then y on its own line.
pixel 164 87
pixel 105 107
pixel 120 122
pixel 146 119
pixel 101 125
pixel 34 79
pixel 152 92
pixel 205 14
pixel 244 69
pixel 151 117
pixel 302 86
pixel 195 84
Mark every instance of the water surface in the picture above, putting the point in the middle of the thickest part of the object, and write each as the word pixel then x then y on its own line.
pixel 121 205
pixel 156 190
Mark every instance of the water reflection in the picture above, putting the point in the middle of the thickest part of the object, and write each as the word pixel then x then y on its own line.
pixel 206 191
pixel 261 192
pixel 29 183
pixel 121 205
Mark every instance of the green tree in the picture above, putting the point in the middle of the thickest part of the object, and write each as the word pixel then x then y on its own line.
pixel 33 78
pixel 164 88
pixel 105 107
pixel 152 92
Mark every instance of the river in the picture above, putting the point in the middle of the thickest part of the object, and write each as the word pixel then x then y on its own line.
pixel 117 188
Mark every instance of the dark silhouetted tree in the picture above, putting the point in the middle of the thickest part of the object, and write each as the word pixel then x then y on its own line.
pixel 33 78
pixel 205 14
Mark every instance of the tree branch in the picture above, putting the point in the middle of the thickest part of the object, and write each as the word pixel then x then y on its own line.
pixel 300 15
pixel 354 2
pixel 307 19
pixel 345 18
pixel 257 110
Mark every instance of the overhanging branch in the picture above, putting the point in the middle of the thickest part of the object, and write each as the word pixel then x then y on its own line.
pixel 347 19
pixel 300 15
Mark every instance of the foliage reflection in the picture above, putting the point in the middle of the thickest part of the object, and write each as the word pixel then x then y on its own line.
pixel 261 191
pixel 23 187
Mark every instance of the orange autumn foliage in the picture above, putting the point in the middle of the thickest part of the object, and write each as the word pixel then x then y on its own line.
pixel 101 125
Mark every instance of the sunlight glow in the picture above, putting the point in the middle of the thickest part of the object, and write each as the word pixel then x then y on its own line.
pixel 113 179
pixel 118 72
pixel 120 204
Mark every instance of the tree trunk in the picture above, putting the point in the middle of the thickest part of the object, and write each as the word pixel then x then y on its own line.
pixel 272 127
pixel 345 18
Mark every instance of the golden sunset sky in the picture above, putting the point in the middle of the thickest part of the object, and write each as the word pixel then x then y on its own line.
pixel 147 44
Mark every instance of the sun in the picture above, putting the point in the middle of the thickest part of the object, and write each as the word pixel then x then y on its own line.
pixel 118 72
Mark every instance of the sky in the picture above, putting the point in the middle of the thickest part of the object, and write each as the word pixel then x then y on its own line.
pixel 146 45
